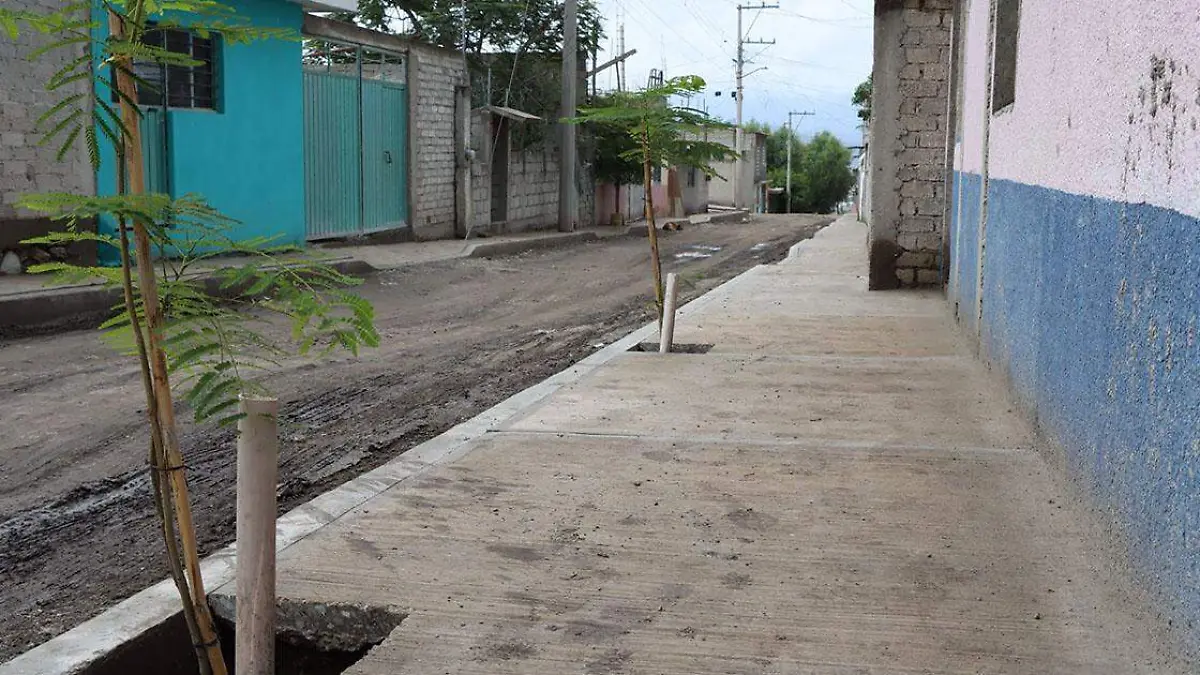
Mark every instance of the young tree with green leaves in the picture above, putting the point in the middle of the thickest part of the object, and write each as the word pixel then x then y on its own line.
pixel 182 337
pixel 617 160
pixel 663 135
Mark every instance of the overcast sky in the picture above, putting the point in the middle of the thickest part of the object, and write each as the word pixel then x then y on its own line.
pixel 822 51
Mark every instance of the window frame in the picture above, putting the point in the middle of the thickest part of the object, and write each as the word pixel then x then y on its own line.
pixel 164 96
pixel 1006 38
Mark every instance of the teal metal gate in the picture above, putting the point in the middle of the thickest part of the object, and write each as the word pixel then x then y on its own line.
pixel 355 149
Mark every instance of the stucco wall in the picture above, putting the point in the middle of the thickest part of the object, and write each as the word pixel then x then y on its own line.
pixel 247 157
pixel 1087 194
pixel 721 187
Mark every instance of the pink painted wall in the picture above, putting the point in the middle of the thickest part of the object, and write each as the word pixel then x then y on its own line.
pixel 632 202
pixel 1107 100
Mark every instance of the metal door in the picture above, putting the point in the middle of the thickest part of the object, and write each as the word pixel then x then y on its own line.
pixel 355 153
pixel 155 150
pixel 385 149
pixel 332 166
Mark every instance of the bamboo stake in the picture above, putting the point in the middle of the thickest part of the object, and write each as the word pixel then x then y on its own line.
pixel 652 228
pixel 160 379
pixel 162 503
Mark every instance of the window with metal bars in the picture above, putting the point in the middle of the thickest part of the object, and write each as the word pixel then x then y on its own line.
pixel 192 87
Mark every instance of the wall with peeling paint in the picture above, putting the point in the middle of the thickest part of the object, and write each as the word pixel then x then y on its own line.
pixel 1076 258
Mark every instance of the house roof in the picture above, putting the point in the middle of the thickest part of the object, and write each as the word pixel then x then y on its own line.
pixel 329 5
pixel 511 113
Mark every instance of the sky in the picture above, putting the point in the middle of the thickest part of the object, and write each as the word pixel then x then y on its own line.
pixel 822 51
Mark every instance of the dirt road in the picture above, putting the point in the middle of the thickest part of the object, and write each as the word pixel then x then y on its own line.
pixel 76 525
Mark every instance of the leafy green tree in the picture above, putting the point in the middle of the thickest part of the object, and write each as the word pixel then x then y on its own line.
pixel 180 335
pixel 663 135
pixel 826 176
pixel 862 99
pixel 821 173
pixel 534 26
pixel 617 161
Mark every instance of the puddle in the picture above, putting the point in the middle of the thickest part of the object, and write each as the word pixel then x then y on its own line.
pixel 698 252
pixel 759 247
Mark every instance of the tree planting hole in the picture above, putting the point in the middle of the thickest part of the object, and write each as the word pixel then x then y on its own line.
pixel 313 639
pixel 677 348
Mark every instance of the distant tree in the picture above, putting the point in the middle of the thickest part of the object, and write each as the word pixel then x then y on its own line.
pixel 821 173
pixel 663 135
pixel 826 176
pixel 862 99
pixel 534 26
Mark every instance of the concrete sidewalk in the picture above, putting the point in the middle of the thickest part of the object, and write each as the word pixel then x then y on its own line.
pixel 835 488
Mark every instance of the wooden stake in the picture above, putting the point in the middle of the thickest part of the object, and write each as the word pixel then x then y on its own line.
pixel 257 474
pixel 667 334
pixel 160 380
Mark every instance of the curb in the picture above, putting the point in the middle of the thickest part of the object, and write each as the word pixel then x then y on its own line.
pixel 52 310
pixel 639 228
pixel 501 248
pixel 104 635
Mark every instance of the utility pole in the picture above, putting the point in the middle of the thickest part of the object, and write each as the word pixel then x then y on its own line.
pixel 741 91
pixel 791 135
pixel 567 190
pixel 621 50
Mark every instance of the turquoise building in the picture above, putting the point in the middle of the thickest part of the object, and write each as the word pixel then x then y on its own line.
pixel 231 130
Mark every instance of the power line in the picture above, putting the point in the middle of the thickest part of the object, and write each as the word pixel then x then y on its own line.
pixel 837 21
pixel 671 27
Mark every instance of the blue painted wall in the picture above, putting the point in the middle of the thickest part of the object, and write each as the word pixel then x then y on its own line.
pixel 246 158
pixel 1090 306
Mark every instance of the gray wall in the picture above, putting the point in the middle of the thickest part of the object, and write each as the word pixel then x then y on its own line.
pixel 25 167
pixel 532 182
pixel 435 74
pixel 909 128
pixel 720 190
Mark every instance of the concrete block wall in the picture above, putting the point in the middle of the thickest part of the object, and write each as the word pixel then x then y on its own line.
pixel 24 166
pixel 909 132
pixel 434 76
pixel 481 172
pixel 533 189
pixel 532 183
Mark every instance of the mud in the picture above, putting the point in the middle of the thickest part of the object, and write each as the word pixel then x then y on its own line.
pixel 77 529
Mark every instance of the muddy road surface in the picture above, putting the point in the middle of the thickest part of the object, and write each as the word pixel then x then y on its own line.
pixel 77 530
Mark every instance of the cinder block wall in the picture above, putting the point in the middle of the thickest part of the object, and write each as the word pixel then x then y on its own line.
pixel 435 74
pixel 908 141
pixel 533 189
pixel 25 167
